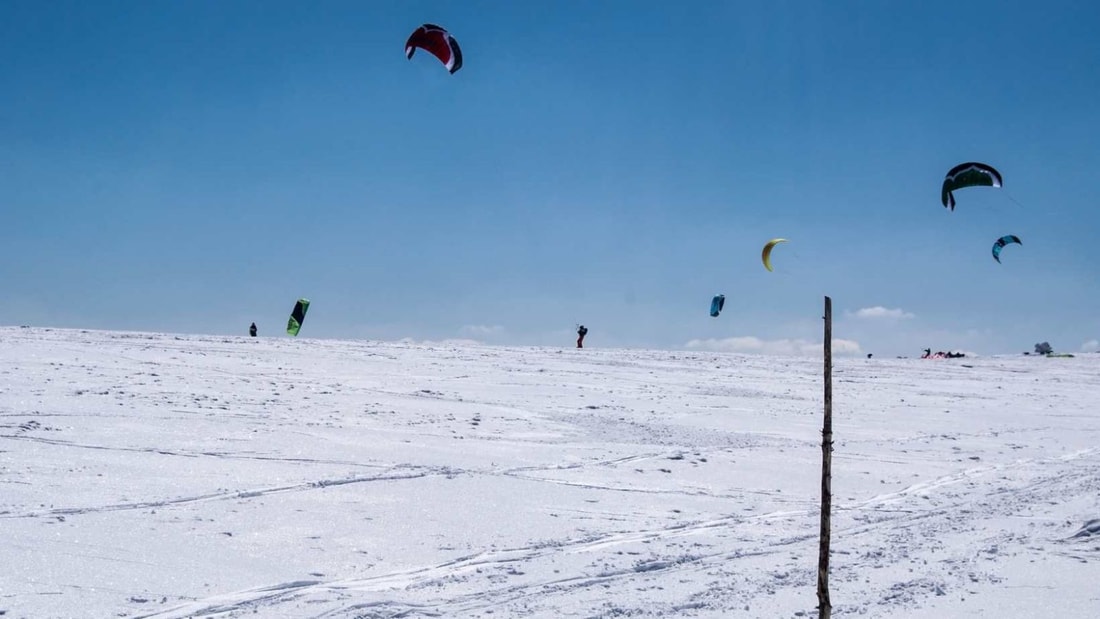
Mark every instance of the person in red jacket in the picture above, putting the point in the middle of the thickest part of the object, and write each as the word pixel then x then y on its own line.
pixel 581 332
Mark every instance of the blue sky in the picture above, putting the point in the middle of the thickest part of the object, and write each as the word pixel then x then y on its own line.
pixel 195 166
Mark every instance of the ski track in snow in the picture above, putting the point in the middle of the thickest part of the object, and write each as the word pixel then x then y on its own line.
pixel 153 475
pixel 902 527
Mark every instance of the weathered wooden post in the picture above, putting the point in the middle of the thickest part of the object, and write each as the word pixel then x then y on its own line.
pixel 824 606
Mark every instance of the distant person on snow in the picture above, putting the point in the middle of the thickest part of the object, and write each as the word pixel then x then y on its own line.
pixel 252 330
pixel 581 332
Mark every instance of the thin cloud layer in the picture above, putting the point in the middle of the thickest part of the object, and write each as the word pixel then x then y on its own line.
pixel 481 330
pixel 879 312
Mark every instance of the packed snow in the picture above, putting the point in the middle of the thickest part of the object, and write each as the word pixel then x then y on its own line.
pixel 160 475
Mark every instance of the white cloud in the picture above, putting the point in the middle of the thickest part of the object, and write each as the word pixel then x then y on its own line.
pixel 753 344
pixel 879 312
pixel 1090 346
pixel 845 347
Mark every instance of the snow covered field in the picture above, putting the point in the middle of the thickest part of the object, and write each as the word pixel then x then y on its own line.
pixel 152 475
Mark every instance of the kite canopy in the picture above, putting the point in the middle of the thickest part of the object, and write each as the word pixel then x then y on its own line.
pixel 1000 244
pixel 297 317
pixel 766 255
pixel 438 42
pixel 717 303
pixel 971 174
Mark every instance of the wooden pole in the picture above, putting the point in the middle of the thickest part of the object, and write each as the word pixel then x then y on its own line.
pixel 824 606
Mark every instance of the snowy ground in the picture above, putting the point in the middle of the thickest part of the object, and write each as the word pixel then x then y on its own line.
pixel 148 475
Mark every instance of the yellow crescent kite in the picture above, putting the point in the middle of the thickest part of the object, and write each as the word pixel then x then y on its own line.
pixel 766 255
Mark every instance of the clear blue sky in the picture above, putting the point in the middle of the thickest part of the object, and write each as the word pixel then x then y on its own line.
pixel 195 166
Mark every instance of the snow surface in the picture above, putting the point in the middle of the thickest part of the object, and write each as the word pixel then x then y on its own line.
pixel 153 475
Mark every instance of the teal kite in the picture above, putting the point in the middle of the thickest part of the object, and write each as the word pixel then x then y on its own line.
pixel 1000 244
pixel 716 304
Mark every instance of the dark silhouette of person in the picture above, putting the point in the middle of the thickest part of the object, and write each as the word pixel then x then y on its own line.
pixel 581 332
pixel 252 330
